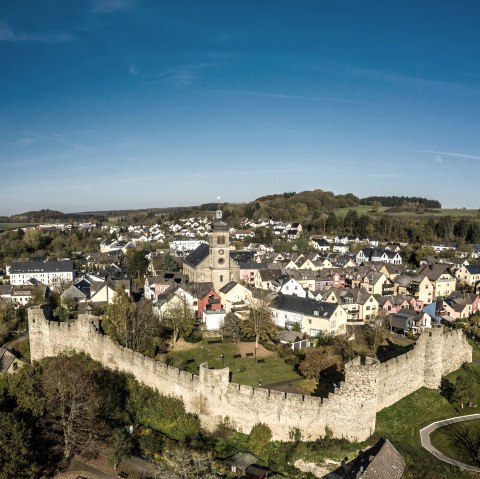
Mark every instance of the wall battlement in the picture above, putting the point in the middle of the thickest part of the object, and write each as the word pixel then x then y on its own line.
pixel 369 385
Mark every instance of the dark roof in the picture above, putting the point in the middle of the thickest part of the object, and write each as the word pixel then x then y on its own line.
pixel 198 255
pixel 228 287
pixel 473 268
pixel 382 461
pixel 6 360
pixel 308 306
pixel 241 460
pixel 64 266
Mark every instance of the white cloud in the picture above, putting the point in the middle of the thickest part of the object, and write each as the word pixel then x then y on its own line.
pixel 283 96
pixel 133 70
pixel 438 154
pixel 111 6
pixel 8 35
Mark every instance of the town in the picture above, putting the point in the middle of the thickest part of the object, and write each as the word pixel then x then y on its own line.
pixel 289 315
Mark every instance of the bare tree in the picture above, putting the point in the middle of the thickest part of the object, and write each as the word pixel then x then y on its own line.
pixel 71 402
pixel 179 319
pixel 231 326
pixel 259 322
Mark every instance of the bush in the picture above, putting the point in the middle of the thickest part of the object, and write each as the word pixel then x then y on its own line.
pixel 194 337
pixel 260 436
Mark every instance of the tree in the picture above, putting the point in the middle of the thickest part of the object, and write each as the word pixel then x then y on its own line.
pixel 316 360
pixel 17 457
pixel 144 329
pixel 259 322
pixel 260 436
pixel 121 446
pixel 137 263
pixel 119 315
pixel 464 391
pixel 231 326
pixel 72 404
pixel 178 319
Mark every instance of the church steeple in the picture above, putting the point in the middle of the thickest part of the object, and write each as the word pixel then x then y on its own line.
pixel 219 251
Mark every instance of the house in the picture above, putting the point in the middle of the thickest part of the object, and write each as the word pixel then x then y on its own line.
pixel 265 277
pixel 51 273
pixel 313 317
pixel 286 285
pixel 381 461
pixel 235 297
pixel 358 303
pixel 416 285
pixel 376 283
pixel 248 270
pixel 440 277
pixel 9 363
pixel 213 319
pixel 366 255
pixel 21 295
pixel 320 244
pixel 469 274
pixel 208 300
pixel 409 320
pixel 243 464
pixel 294 340
pixel 439 247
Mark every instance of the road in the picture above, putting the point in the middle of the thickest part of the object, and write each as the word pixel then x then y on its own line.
pixel 426 443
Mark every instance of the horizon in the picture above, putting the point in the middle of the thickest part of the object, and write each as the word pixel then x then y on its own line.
pixel 136 104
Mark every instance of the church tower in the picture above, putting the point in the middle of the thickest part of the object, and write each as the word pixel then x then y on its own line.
pixel 219 251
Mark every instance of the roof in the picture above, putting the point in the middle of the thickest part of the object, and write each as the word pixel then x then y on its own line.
pixel 63 266
pixel 473 268
pixel 306 306
pixel 434 271
pixel 198 255
pixel 241 460
pixel 382 461
pixel 6 360
pixel 228 287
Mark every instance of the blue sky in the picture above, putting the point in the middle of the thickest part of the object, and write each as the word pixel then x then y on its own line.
pixel 113 104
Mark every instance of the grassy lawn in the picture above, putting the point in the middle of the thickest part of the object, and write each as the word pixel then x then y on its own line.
pixel 446 441
pixel 401 423
pixel 243 370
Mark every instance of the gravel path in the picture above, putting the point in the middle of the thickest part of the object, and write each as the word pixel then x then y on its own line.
pixel 426 443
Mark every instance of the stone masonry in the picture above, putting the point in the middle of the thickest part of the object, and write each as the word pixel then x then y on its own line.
pixel 349 412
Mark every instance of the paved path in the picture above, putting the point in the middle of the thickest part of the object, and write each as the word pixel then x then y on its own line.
pixel 425 439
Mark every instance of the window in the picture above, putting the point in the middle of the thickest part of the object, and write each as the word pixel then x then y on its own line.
pixel 221 278
pixel 368 307
pixel 221 240
pixel 309 321
pixel 315 313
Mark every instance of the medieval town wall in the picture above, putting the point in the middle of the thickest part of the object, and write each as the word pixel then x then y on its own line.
pixel 349 412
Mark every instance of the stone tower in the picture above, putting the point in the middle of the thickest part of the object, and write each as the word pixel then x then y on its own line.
pixel 219 251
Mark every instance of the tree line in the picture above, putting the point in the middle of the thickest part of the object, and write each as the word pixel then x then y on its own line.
pixel 390 201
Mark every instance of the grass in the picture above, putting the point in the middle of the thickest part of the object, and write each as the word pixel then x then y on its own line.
pixel 370 210
pixel 243 370
pixel 14 226
pixel 402 422
pixel 446 442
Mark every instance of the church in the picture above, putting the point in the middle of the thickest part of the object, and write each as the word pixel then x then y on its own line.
pixel 212 262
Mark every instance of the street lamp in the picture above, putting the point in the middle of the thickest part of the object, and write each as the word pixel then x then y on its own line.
pixel 223 359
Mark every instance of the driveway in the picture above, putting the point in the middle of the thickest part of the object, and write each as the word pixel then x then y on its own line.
pixel 426 443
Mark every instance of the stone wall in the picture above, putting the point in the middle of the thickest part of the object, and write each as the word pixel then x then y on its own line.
pixel 349 412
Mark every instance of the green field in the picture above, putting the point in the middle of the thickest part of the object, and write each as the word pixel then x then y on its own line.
pixel 446 441
pixel 14 226
pixel 370 210
pixel 243 370
pixel 402 422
